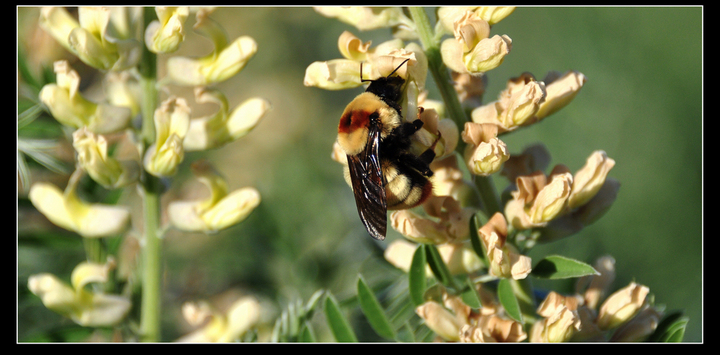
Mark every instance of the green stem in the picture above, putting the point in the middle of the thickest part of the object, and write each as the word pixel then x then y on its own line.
pixel 150 310
pixel 488 195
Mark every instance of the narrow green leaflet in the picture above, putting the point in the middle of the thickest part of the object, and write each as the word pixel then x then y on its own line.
pixel 306 334
pixel 507 299
pixel 374 311
pixel 417 281
pixel 337 323
pixel 470 296
pixel 438 267
pixel 560 267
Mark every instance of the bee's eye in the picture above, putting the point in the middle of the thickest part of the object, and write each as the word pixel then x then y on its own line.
pixel 375 115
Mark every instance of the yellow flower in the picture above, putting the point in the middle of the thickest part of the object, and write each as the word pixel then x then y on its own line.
pixel 537 200
pixel 105 170
pixel 104 38
pixel 560 326
pixel 220 327
pixel 622 306
pixel 70 108
pixel 516 106
pixel 226 59
pixel 449 224
pixel 448 181
pixel 561 89
pixel 590 178
pixel 504 260
pixel 224 126
pixel 84 307
pixel 172 120
pixel 492 328
pixel 448 15
pixel 165 34
pixel 459 258
pixel 219 211
pixel 366 18
pixel 440 320
pixel 66 210
pixel 485 153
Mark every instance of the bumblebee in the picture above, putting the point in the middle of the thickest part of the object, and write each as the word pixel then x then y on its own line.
pixel 383 173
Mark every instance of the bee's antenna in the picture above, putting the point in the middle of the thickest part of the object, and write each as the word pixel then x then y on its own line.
pixel 396 69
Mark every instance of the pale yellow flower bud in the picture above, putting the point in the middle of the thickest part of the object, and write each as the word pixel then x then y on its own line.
pixel 560 326
pixel 400 253
pixel 640 327
pixel 226 59
pixel 66 210
pixel 469 30
pixel 504 260
pixel 622 305
pixel 222 127
pixel 165 34
pixel 522 104
pixel 70 108
pixel 336 74
pixel 484 153
pixel 352 47
pixel 228 327
pixel 590 178
pixel 220 210
pixel 488 54
pixel 365 18
pixel 460 258
pixel 104 38
pixel 494 14
pixel 554 301
pixel 551 200
pixel 122 89
pixel 560 92
pixel 417 228
pixel 172 120
pixel 90 309
pixel 440 320
pixel 105 170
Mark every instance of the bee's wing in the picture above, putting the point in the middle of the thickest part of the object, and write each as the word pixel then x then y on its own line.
pixel 368 185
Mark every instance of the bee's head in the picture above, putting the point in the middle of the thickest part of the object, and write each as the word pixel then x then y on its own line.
pixel 389 88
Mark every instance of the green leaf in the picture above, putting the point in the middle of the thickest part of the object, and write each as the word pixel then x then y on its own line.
pixel 417 280
pixel 336 321
pixel 438 267
pixel 508 300
pixel 374 311
pixel 671 329
pixel 306 334
pixel 470 296
pixel 560 267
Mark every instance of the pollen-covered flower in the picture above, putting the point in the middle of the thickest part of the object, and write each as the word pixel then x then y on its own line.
pixel 172 120
pixel 165 34
pixel 76 301
pixel 366 18
pixel 226 59
pixel 622 305
pixel 220 210
pixel 504 260
pixel 485 153
pixel 225 125
pixel 93 157
pixel 217 326
pixel 70 108
pixel 65 209
pixel 104 38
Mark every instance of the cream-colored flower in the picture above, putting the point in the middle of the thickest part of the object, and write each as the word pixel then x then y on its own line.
pixel 84 307
pixel 70 108
pixel 226 59
pixel 516 106
pixel 560 91
pixel 484 153
pixel 336 74
pixel 122 89
pixel 172 121
pixel 448 15
pixel 493 328
pixel 220 210
pixel 448 181
pixel 440 320
pixel 590 178
pixel 221 327
pixel 93 157
pixel 366 18
pixel 537 200
pixel 622 306
pixel 459 257
pixel 224 126
pixel 560 326
pixel 104 38
pixel 165 34
pixel 504 260
pixel 486 55
pixel 65 209
pixel 449 222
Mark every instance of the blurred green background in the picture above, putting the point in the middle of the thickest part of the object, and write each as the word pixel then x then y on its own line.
pixel 642 104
